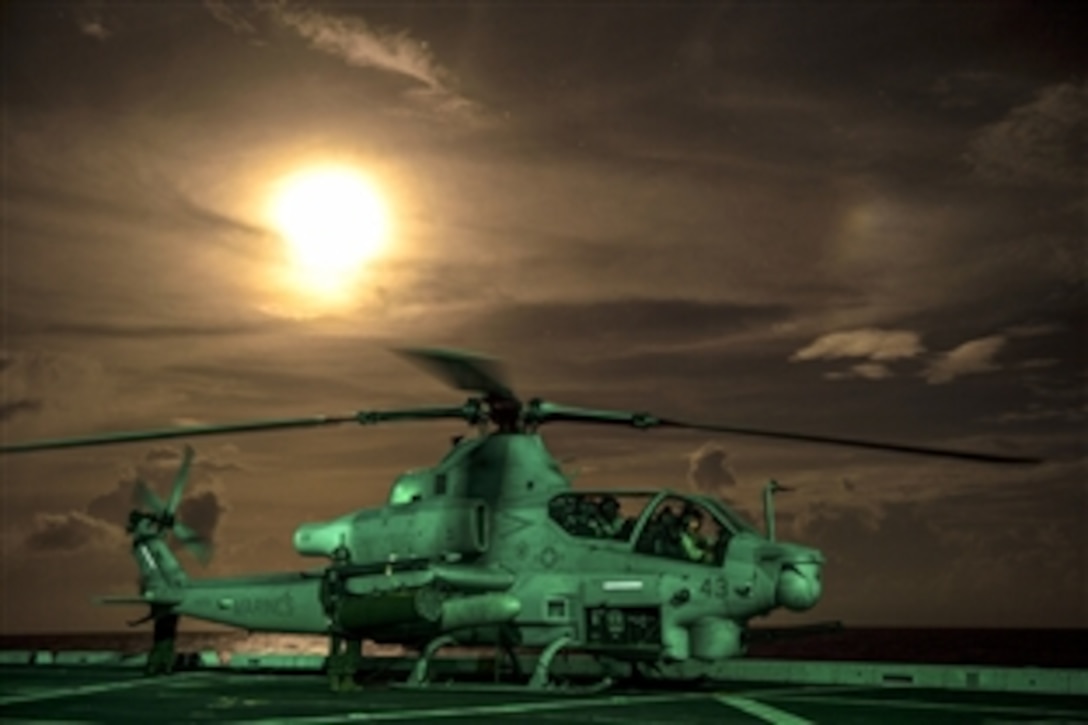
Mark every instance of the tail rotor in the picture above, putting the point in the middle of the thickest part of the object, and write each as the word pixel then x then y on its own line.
pixel 161 517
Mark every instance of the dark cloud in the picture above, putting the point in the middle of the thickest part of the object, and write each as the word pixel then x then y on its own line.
pixel 709 472
pixel 11 408
pixel 1041 142
pixel 103 521
pixel 202 512
pixel 939 564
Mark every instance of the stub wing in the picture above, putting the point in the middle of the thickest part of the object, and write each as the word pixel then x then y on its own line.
pixel 157 599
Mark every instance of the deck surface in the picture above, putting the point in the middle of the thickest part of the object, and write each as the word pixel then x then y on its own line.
pixel 87 695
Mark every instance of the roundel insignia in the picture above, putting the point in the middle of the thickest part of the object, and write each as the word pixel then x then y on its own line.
pixel 548 557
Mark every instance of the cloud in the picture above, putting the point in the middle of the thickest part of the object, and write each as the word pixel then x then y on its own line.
pixel 961 89
pixel 58 200
pixel 101 524
pixel 202 513
pixel 230 17
pixel 55 391
pixel 878 346
pixel 709 471
pixel 865 371
pixel 1036 330
pixel 361 45
pixel 962 533
pixel 11 408
pixel 71 531
pixel 871 343
pixel 1039 142
pixel 358 44
pixel 90 21
pixel 970 358
pixel 1037 363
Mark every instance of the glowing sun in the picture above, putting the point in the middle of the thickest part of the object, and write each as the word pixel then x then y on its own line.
pixel 334 221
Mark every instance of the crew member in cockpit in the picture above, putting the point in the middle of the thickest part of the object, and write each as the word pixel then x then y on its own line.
pixel 609 521
pixel 694 545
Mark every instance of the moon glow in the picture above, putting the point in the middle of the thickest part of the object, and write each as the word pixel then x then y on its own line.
pixel 334 221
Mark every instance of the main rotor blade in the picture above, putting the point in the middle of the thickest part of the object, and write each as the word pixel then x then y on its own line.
pixel 469 411
pixel 461 369
pixel 855 443
pixel 179 481
pixel 543 411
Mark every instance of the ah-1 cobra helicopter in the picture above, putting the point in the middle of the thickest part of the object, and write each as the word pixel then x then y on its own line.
pixel 493 547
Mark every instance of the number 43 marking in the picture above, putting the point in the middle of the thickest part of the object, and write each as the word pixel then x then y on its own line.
pixel 714 587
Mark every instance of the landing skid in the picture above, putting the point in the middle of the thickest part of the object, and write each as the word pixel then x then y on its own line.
pixel 540 682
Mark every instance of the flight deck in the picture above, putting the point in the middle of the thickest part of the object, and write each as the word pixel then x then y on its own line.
pixel 104 687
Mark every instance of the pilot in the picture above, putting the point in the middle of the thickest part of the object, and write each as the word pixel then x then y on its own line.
pixel 695 546
pixel 666 533
pixel 609 522
pixel 585 518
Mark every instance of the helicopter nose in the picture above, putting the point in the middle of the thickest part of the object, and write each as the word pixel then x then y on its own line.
pixel 799 586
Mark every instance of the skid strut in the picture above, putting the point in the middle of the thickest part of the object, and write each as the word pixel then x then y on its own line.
pixel 420 674
pixel 345 660
pixel 542 672
pixel 161 658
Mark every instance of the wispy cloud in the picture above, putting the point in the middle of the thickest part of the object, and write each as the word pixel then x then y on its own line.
pixel 362 45
pixel 865 371
pixel 91 22
pixel 871 343
pixel 229 16
pixel 970 358
pixel 101 523
pixel 875 346
pixel 355 42
pixel 11 408
pixel 1039 142
pixel 46 392
pixel 71 531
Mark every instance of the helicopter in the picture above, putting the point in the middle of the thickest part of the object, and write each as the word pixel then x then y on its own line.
pixel 494 547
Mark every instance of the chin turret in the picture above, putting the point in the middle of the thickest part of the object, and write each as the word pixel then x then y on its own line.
pixel 799 586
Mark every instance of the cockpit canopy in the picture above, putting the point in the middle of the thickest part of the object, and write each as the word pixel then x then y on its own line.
pixel 667 524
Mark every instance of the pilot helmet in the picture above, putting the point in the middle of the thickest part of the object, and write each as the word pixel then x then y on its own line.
pixel 691 514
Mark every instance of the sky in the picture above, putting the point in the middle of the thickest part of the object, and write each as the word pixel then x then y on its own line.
pixel 851 219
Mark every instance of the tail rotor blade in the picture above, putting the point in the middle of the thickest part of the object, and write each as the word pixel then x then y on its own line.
pixel 196 544
pixel 149 498
pixel 201 550
pixel 179 481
